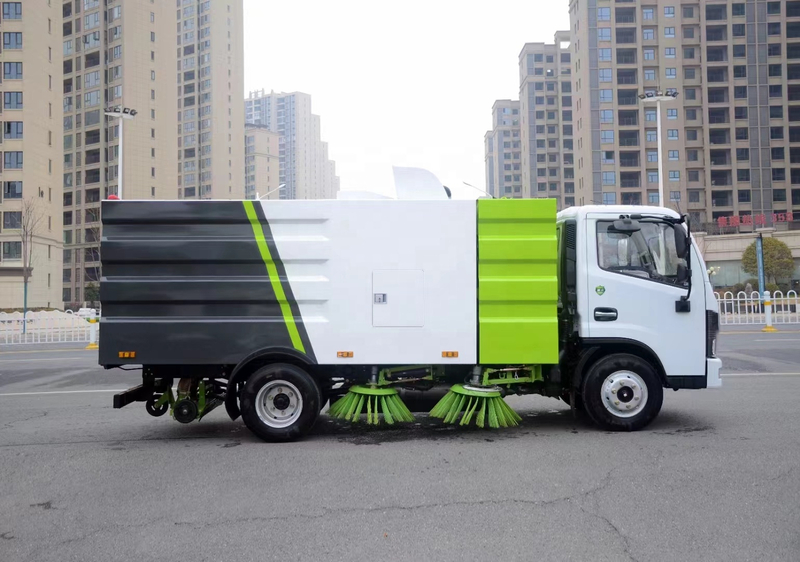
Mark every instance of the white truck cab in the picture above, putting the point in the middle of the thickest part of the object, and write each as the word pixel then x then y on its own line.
pixel 640 288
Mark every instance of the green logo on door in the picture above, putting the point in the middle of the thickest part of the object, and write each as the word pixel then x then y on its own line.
pixel 600 290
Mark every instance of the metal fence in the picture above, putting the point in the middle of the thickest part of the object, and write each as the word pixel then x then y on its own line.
pixel 748 309
pixel 44 327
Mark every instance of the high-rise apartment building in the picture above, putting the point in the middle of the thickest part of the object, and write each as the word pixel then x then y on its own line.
pixel 305 170
pixel 503 151
pixel 729 139
pixel 546 120
pixel 210 105
pixel 115 53
pixel 30 192
pixel 262 166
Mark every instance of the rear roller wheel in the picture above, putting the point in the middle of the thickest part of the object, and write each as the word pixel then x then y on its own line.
pixel 156 411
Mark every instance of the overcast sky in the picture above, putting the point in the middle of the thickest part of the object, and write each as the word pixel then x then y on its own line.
pixel 412 86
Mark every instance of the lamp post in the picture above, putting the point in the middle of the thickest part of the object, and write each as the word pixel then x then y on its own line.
pixel 658 97
pixel 281 186
pixel 121 113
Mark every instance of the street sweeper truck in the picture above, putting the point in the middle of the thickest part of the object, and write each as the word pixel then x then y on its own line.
pixel 274 309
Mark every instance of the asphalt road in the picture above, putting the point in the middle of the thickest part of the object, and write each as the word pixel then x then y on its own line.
pixel 716 477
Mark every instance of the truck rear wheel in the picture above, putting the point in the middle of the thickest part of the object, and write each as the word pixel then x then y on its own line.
pixel 622 392
pixel 280 402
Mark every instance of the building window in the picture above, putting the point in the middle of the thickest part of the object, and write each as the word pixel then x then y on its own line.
pixel 651 135
pixel 689 73
pixel 776 91
pixel 671 73
pixel 12 41
pixel 605 55
pixel 694 175
pixel 674 155
pixel 12 130
pixel 776 112
pixel 740 71
pixel 669 32
pixel 12 220
pixel 672 134
pixel 12 160
pixel 740 113
pixel 12 10
pixel 669 12
pixel 774 50
pixel 607 137
pixel 652 156
pixel 12 190
pixel 672 113
pixel 607 156
pixel 739 51
pixel 775 70
pixel 774 28
pixel 12 70
pixel 609 198
pixel 743 175
pixel 606 116
pixel 776 133
pixel 12 250
pixel 652 176
pixel 603 14
pixel 674 175
pixel 779 174
pixel 605 75
pixel 604 34
pixel 649 74
pixel 609 178
pixel 688 52
pixel 648 34
pixel 670 52
pixel 648 13
pixel 606 96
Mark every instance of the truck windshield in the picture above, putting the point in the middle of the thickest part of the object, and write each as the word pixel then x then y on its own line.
pixel 649 253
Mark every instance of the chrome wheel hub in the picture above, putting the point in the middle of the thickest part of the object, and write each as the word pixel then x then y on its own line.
pixel 624 394
pixel 279 404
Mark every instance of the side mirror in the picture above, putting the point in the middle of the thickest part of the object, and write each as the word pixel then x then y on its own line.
pixel 681 242
pixel 683 273
pixel 627 225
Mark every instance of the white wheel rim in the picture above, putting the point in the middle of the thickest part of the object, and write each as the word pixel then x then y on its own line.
pixel 279 404
pixel 624 394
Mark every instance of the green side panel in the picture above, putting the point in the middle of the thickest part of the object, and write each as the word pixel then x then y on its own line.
pixel 517 284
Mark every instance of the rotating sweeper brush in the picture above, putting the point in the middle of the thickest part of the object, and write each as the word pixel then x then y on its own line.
pixel 374 399
pixel 481 403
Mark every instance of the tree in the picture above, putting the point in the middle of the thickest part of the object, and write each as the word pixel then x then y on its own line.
pixel 778 261
pixel 30 221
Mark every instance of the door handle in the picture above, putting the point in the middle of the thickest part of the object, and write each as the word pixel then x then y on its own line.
pixel 605 314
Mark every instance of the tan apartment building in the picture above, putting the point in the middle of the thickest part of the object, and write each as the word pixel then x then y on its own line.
pixel 306 172
pixel 120 54
pixel 210 103
pixel 729 139
pixel 31 194
pixel 503 151
pixel 262 166
pixel 546 120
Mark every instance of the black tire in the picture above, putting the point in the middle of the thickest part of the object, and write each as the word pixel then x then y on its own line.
pixel 300 421
pixel 595 399
pixel 150 406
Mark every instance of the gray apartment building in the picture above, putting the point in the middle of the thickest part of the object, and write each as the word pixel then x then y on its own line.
pixel 729 139
pixel 306 172
pixel 503 151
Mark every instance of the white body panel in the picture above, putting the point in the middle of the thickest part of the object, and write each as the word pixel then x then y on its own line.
pixel 420 254
pixel 646 308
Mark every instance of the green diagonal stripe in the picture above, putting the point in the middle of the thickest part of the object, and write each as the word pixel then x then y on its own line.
pixel 274 279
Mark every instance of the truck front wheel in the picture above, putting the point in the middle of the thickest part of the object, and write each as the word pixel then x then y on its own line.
pixel 280 402
pixel 622 392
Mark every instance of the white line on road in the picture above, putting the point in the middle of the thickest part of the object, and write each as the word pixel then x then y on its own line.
pixel 777 340
pixel 2 361
pixel 61 392
pixel 760 375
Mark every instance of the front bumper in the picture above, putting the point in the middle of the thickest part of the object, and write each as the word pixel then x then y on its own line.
pixel 713 367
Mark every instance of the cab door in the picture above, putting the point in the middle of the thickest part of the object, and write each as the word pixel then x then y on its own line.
pixel 632 289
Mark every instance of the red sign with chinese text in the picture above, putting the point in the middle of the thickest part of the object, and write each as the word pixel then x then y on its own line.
pixel 757 220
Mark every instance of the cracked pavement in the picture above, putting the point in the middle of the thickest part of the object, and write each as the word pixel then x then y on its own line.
pixel 714 478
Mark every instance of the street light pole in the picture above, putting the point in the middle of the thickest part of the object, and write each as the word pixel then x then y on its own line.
pixel 660 155
pixel 121 113
pixel 281 186
pixel 658 97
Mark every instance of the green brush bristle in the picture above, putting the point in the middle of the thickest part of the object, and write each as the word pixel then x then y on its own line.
pixel 490 408
pixel 373 402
